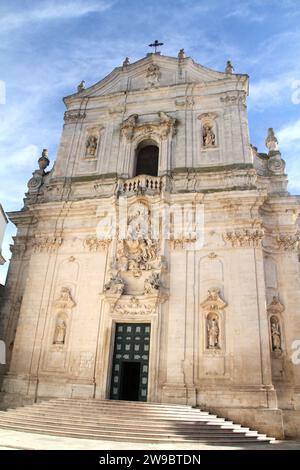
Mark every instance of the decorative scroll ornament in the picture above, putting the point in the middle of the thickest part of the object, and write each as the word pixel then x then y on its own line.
pixel 244 237
pixel 96 244
pixel 288 242
pixel 213 302
pixel 65 299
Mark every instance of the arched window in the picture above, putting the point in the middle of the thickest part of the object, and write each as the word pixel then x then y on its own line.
pixel 147 158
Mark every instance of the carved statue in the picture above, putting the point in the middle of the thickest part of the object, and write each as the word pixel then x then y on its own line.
pixel 60 332
pixel 229 67
pixel 115 285
pixel 91 145
pixel 44 161
pixel 81 86
pixel 271 141
pixel 153 75
pixel 126 62
pixel 152 284
pixel 213 333
pixel 209 138
pixel 181 54
pixel 275 334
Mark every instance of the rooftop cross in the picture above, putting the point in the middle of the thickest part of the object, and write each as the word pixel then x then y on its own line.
pixel 155 44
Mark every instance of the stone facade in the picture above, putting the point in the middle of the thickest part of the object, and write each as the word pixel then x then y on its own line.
pixel 219 286
pixel 3 223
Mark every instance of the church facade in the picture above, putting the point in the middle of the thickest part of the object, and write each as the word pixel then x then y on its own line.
pixel 157 260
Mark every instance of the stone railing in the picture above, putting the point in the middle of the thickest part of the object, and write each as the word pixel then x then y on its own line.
pixel 141 183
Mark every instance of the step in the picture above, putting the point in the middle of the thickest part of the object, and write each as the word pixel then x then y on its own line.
pixel 118 421
pixel 117 435
pixel 130 421
pixel 145 428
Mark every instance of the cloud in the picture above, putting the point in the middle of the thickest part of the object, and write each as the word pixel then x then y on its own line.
pixel 289 136
pixel 269 92
pixel 50 11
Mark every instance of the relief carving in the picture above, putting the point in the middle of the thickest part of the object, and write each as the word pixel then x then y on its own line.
pixel 288 242
pixel 65 299
pixel 91 146
pixel 48 244
pixel 115 286
pixel 71 117
pixel 244 237
pixel 152 75
pixel 165 127
pixel 152 284
pixel 96 244
pixel 208 136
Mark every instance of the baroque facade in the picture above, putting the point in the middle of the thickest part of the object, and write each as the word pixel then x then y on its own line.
pixel 3 223
pixel 158 259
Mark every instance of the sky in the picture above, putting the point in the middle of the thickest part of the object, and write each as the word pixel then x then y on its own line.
pixel 48 46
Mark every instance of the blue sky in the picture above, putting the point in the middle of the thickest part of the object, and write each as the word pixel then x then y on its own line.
pixel 47 47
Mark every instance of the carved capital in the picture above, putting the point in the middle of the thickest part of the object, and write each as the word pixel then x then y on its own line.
pixel 244 237
pixel 71 117
pixel 95 244
pixel 287 242
pixel 48 244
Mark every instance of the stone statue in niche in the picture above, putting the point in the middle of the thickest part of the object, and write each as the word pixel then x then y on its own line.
pixel 60 332
pixel 91 145
pixel 209 138
pixel 275 334
pixel 152 284
pixel 115 285
pixel 213 332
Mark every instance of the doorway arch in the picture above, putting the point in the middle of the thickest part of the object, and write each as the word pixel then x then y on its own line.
pixel 147 158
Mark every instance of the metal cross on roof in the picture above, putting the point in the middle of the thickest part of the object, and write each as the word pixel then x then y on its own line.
pixel 155 44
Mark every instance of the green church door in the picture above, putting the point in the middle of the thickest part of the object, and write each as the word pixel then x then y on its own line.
pixel 130 362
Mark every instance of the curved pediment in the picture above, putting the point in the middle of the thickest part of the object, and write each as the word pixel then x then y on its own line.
pixel 153 71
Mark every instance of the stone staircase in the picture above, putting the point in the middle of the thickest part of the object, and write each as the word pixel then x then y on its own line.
pixel 127 421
